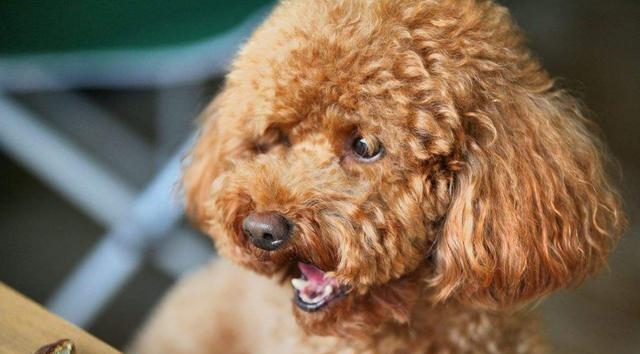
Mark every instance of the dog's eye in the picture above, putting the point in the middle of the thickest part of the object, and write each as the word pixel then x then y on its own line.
pixel 366 150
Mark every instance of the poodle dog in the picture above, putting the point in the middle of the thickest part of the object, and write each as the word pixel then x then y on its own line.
pixel 405 174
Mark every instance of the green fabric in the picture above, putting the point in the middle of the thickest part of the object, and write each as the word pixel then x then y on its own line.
pixel 58 26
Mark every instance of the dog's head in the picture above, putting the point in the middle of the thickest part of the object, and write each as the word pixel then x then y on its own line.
pixel 385 153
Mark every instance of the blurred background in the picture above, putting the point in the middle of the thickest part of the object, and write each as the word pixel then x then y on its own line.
pixel 98 100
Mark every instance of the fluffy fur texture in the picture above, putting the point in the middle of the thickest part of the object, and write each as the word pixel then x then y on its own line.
pixel 491 192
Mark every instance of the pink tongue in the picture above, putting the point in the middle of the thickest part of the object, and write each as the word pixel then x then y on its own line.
pixel 312 273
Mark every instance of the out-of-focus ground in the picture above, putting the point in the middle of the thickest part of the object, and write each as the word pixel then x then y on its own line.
pixel 594 46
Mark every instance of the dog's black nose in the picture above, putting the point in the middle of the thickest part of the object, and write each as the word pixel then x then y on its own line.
pixel 268 231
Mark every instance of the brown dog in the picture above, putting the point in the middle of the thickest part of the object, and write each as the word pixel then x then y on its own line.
pixel 408 167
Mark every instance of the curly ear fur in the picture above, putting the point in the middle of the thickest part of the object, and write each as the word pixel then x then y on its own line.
pixel 216 146
pixel 532 210
pixel 202 164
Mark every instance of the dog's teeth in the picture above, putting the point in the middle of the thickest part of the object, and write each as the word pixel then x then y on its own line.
pixel 327 291
pixel 306 298
pixel 299 284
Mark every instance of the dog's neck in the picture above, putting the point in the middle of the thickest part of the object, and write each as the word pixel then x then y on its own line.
pixel 433 327
pixel 418 325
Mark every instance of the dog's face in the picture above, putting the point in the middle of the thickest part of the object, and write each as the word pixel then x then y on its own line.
pixel 379 155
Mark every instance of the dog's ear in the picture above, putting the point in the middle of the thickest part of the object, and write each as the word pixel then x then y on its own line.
pixel 532 210
pixel 219 141
pixel 202 163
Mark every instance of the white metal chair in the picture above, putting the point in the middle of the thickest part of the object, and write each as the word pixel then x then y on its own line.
pixel 135 219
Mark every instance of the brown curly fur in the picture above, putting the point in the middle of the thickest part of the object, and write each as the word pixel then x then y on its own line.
pixel 491 192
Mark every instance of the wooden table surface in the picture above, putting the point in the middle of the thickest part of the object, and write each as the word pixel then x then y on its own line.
pixel 26 326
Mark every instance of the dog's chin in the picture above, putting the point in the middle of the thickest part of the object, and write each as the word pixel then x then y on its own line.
pixel 314 290
pixel 322 305
pixel 348 315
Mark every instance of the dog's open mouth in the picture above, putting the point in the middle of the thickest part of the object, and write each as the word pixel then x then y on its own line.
pixel 315 289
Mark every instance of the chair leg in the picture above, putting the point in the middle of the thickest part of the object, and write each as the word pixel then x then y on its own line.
pixel 97 131
pixel 63 166
pixel 95 280
pixel 154 213
pixel 135 223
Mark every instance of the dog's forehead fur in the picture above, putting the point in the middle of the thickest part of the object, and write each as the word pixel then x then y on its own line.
pixel 344 64
pixel 394 69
